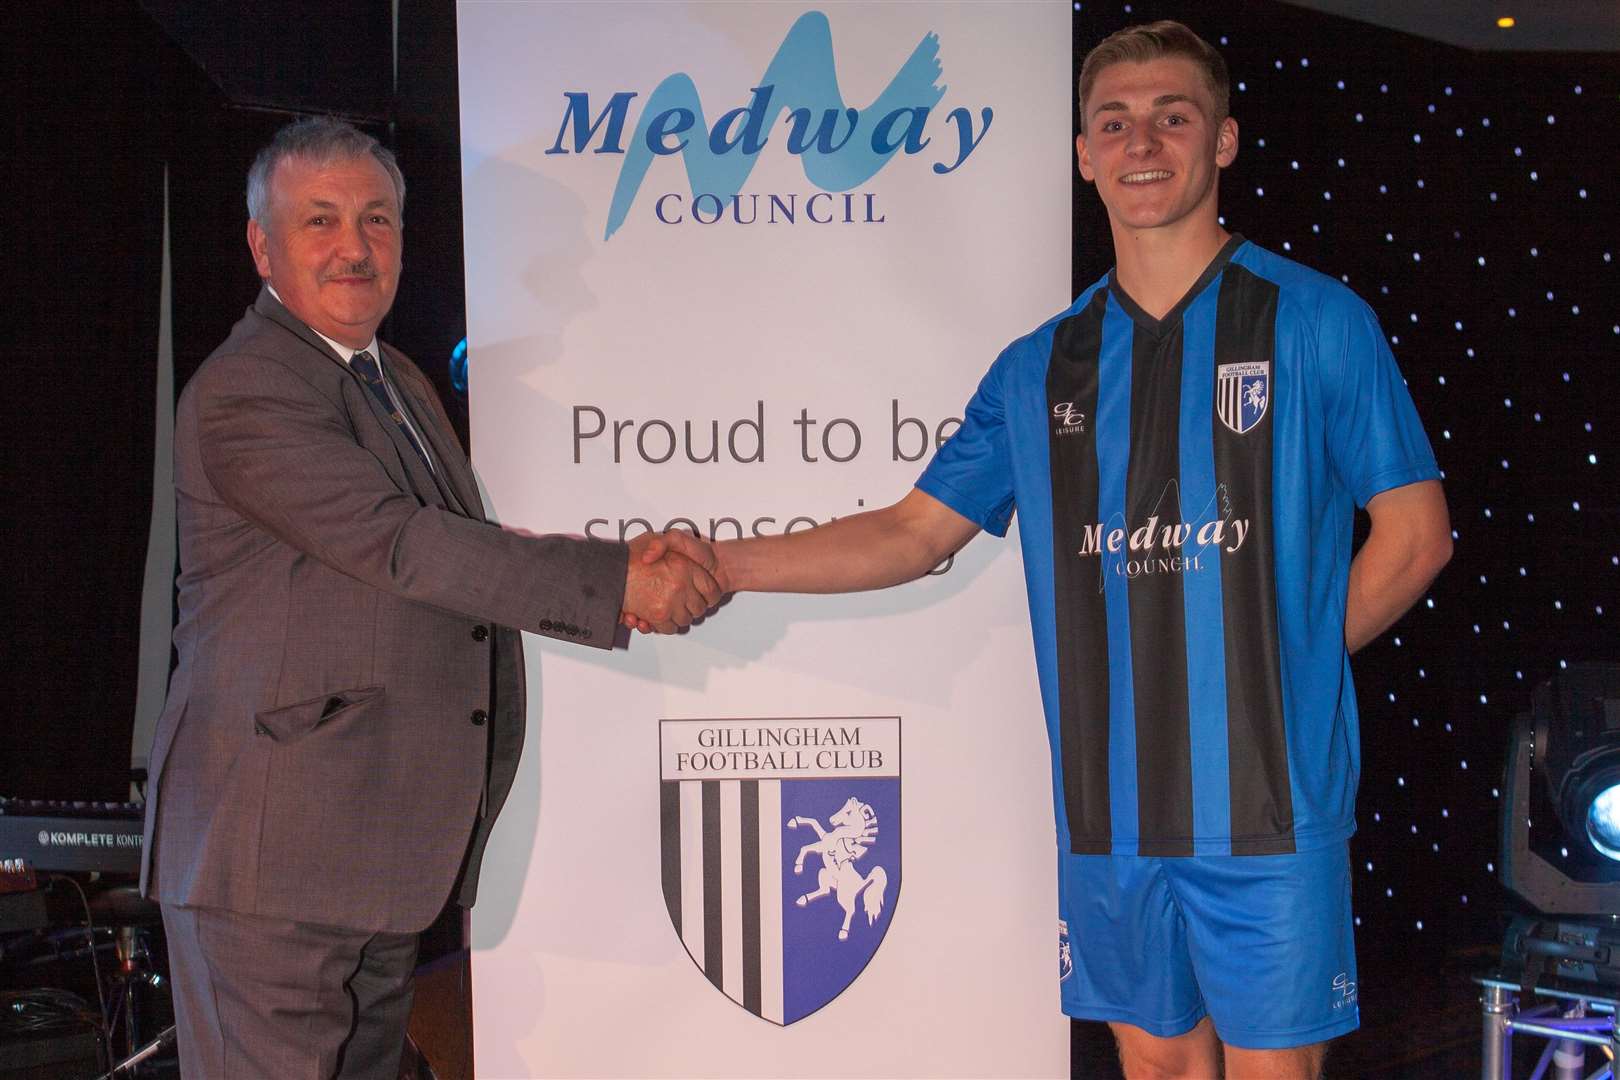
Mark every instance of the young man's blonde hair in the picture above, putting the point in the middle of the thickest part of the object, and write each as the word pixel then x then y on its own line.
pixel 1150 41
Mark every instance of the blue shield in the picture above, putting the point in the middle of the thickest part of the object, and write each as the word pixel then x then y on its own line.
pixel 1243 394
pixel 837 900
pixel 781 889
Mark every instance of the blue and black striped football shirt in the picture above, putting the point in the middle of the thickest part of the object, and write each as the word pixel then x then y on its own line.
pixel 1186 489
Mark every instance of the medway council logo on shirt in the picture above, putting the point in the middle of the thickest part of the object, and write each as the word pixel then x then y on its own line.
pixel 781 852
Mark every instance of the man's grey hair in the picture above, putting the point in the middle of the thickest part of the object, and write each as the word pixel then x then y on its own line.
pixel 321 140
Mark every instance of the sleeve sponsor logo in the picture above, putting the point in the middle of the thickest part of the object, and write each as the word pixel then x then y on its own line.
pixel 1070 421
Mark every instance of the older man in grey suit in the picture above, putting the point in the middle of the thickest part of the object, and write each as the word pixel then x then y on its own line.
pixel 348 709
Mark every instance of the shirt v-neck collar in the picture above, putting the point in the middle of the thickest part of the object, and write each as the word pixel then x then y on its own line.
pixel 1173 317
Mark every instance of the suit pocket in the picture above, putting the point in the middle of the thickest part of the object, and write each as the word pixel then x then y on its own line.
pixel 292 722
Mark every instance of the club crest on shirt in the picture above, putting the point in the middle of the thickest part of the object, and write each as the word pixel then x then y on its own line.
pixel 781 853
pixel 1242 394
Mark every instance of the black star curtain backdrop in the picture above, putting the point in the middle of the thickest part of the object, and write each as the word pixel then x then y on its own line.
pixel 1471 198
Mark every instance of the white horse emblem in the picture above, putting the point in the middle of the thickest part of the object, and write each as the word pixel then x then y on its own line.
pixel 854 829
pixel 1254 396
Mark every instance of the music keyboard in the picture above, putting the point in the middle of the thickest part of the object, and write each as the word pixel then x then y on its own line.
pixel 58 835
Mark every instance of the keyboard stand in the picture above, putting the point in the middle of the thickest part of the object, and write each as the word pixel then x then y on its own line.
pixel 165 1039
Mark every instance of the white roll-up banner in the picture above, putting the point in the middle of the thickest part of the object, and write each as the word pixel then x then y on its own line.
pixel 737 268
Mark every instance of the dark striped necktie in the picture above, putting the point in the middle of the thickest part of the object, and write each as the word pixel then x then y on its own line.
pixel 365 366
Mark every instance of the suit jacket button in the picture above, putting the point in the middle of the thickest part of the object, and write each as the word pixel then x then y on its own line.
pixel 260 729
pixel 585 632
pixel 545 624
pixel 478 717
pixel 480 633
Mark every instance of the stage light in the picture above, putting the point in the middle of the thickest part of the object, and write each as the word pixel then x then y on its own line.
pixel 1571 947
pixel 1571 738
pixel 1506 22
pixel 1578 734
pixel 1603 822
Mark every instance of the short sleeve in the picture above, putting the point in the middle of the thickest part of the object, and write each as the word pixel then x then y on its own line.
pixel 972 473
pixel 1374 437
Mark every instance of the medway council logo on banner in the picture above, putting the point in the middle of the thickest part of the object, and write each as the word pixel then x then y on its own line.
pixel 781 852
pixel 839 146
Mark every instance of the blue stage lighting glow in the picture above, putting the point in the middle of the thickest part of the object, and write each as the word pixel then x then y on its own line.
pixel 458 367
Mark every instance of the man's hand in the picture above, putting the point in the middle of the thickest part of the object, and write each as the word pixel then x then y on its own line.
pixel 671 582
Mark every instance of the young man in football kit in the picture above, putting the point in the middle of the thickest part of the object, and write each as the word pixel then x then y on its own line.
pixel 1185 447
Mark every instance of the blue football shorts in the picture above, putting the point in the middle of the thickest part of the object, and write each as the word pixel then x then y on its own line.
pixel 1261 944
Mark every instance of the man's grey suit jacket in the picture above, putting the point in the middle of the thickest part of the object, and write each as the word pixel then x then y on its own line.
pixel 348 709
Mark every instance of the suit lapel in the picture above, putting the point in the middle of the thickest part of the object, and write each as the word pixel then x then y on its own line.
pixel 419 478
pixel 454 478
pixel 271 308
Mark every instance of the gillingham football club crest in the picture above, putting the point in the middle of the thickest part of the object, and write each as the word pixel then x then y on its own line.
pixel 781 853
pixel 1242 394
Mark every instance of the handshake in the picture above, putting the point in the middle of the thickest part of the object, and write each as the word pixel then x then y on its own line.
pixel 674 578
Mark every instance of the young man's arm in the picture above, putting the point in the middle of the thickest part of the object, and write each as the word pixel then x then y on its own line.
pixel 1409 543
pixel 873 550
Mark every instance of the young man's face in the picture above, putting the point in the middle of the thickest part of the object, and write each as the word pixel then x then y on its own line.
pixel 1152 145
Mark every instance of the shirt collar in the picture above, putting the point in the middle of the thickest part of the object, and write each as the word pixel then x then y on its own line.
pixel 345 353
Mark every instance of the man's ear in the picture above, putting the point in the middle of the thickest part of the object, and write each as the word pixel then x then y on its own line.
pixel 259 243
pixel 1086 171
pixel 1226 143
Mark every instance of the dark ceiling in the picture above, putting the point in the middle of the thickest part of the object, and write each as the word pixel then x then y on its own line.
pixel 1539 25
